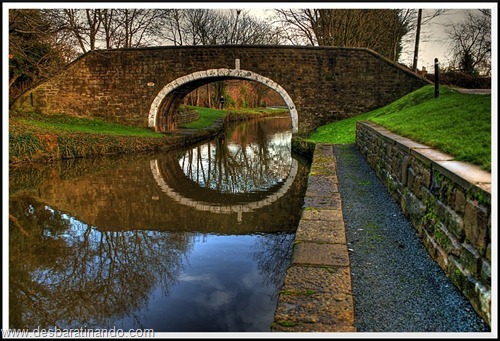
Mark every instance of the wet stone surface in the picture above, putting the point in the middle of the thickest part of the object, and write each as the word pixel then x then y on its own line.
pixel 320 254
pixel 331 231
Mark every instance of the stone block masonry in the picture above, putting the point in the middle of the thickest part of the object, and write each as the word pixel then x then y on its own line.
pixel 324 84
pixel 448 203
pixel 317 293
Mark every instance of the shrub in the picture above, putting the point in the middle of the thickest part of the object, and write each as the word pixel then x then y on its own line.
pixel 462 80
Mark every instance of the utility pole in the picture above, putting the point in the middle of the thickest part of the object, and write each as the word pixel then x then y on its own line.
pixel 417 41
pixel 234 39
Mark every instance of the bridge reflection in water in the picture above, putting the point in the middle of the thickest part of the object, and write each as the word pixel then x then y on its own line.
pixel 233 177
pixel 196 241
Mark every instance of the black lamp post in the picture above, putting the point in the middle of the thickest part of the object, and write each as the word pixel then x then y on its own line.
pixel 436 78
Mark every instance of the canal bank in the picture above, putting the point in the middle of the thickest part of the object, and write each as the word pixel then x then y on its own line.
pixel 41 138
pixel 28 143
pixel 358 265
pixel 316 294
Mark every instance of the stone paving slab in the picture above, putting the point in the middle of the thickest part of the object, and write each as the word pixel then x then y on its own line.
pixel 322 185
pixel 320 254
pixel 330 231
pixel 323 170
pixel 332 201
pixel 313 213
pixel 316 300
pixel 317 291
pixel 333 280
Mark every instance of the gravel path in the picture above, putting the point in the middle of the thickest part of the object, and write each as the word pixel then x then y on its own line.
pixel 397 287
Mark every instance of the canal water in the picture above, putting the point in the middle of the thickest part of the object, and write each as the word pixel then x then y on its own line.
pixel 196 240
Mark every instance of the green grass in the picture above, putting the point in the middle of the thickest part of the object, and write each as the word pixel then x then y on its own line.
pixel 36 137
pixel 207 117
pixel 65 123
pixel 455 123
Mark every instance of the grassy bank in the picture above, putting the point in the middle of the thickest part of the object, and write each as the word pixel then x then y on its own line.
pixel 65 123
pixel 455 123
pixel 37 137
pixel 54 138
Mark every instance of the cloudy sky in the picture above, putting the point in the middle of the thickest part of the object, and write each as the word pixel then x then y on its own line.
pixel 433 42
pixel 433 39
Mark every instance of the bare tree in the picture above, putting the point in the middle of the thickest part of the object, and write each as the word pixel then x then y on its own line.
pixel 35 50
pixel 173 31
pixel 217 27
pixel 251 30
pixel 297 26
pixel 94 22
pixel 471 42
pixel 83 25
pixel 109 26
pixel 137 27
pixel 377 29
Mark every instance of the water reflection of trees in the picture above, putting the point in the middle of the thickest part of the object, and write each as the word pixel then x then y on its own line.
pixel 273 253
pixel 247 158
pixel 66 273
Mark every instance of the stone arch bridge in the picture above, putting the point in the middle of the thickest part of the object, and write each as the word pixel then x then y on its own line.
pixel 144 86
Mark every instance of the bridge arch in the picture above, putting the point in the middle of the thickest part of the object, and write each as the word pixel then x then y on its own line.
pixel 169 96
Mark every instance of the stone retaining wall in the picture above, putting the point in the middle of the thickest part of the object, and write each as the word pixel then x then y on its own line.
pixel 185 115
pixel 448 202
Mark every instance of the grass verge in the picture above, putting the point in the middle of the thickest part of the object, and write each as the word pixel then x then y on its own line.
pixel 29 141
pixel 65 123
pixel 455 123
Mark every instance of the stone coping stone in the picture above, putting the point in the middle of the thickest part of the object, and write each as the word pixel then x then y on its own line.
pixel 465 174
pixel 323 231
pixel 428 156
pixel 322 185
pixel 407 144
pixel 320 254
pixel 315 299
pixel 323 169
pixel 331 202
pixel 312 213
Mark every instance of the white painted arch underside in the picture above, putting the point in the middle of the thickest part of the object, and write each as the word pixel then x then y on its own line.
pixel 222 73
